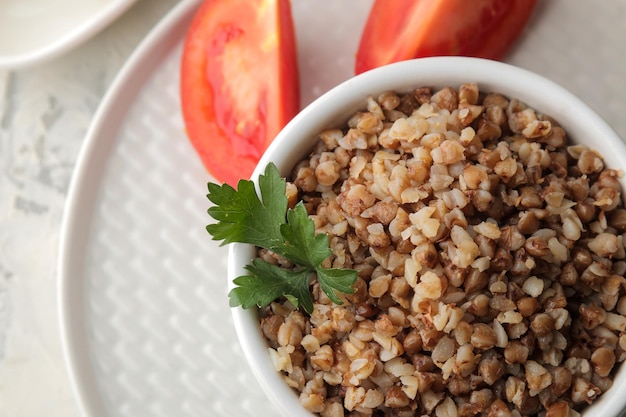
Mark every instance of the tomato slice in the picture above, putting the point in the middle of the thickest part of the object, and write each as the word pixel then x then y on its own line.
pixel 239 82
pixel 403 29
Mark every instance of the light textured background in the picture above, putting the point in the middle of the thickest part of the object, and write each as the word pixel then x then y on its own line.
pixel 44 113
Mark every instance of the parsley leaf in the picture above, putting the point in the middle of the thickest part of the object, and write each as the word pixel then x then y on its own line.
pixel 332 280
pixel 267 282
pixel 265 222
pixel 243 217
pixel 301 245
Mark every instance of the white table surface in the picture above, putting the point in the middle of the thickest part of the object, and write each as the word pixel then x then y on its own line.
pixel 46 109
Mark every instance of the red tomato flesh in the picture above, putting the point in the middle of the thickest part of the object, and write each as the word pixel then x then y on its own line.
pixel 239 82
pixel 398 30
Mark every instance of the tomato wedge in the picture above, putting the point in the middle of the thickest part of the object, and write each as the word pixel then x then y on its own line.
pixel 239 82
pixel 403 29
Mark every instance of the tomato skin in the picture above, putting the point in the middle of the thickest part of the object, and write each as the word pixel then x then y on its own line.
pixel 239 82
pixel 398 30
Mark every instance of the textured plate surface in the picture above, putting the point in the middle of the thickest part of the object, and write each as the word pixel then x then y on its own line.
pixel 146 324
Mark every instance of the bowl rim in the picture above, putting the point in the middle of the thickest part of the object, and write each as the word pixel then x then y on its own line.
pixel 336 105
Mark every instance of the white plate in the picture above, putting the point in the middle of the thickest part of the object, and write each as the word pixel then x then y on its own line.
pixel 146 326
pixel 145 319
pixel 34 30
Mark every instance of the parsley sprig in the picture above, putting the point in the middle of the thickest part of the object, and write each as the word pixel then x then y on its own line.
pixel 267 223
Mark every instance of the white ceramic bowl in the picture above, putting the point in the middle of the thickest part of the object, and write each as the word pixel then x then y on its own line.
pixel 333 109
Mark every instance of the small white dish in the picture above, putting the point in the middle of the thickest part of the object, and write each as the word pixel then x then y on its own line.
pixel 35 30
pixel 332 109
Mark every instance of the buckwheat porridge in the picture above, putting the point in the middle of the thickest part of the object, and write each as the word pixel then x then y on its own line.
pixel 491 261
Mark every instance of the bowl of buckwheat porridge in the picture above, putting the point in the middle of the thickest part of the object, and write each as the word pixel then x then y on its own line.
pixel 481 207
